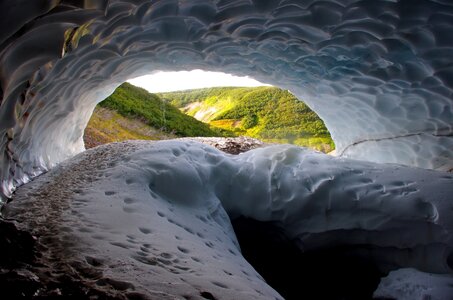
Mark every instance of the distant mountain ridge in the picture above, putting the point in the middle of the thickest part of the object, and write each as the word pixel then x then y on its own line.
pixel 267 113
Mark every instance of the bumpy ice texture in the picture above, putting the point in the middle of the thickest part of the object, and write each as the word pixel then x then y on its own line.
pixel 154 217
pixel 379 73
pixel 410 284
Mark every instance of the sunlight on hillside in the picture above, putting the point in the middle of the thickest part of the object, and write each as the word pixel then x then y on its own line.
pixel 267 113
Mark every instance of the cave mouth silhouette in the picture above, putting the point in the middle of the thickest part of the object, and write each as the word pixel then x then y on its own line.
pixel 229 110
pixel 337 272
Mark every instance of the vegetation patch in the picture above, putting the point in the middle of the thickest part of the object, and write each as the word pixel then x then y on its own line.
pixel 267 113
pixel 107 126
pixel 136 103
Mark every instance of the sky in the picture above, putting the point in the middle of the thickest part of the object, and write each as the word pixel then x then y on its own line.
pixel 174 81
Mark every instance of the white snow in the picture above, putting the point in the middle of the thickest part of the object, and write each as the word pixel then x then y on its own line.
pixel 155 213
pixel 377 72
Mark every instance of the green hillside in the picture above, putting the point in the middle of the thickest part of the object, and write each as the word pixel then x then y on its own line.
pixel 107 126
pixel 133 113
pixel 134 102
pixel 267 113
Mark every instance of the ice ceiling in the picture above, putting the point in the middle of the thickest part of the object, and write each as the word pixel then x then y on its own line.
pixel 379 73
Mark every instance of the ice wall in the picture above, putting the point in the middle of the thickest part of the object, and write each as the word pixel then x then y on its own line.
pixel 379 72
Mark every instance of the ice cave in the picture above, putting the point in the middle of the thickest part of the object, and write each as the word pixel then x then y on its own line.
pixel 182 220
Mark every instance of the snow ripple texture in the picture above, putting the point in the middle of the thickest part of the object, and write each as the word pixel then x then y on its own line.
pixel 379 73
pixel 156 216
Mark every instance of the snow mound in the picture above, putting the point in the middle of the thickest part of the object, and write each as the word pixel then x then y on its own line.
pixel 115 211
pixel 410 284
pixel 154 217
pixel 379 73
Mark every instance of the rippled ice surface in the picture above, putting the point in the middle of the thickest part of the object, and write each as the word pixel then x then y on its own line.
pixel 154 217
pixel 379 73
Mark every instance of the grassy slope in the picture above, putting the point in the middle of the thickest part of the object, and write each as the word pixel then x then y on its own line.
pixel 133 113
pixel 107 126
pixel 267 113
pixel 134 102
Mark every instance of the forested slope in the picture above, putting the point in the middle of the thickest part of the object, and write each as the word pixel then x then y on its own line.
pixel 267 113
pixel 133 113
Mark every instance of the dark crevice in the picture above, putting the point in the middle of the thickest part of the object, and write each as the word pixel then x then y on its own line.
pixel 438 134
pixel 17 251
pixel 207 295
pixel 450 261
pixel 332 273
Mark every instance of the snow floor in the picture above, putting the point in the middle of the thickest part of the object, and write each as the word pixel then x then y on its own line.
pixel 152 219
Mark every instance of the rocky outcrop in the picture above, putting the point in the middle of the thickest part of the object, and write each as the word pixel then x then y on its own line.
pixel 233 145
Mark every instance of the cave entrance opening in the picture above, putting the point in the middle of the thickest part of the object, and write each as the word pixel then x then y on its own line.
pixel 167 105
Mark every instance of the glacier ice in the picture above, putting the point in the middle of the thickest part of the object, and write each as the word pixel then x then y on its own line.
pixel 379 73
pixel 156 215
